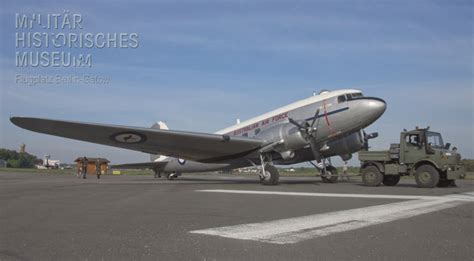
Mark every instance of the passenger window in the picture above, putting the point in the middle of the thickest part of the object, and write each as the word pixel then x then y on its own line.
pixel 341 99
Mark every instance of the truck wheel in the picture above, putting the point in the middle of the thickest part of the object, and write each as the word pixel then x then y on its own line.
pixel 371 176
pixel 391 180
pixel 331 175
pixel 271 175
pixel 426 176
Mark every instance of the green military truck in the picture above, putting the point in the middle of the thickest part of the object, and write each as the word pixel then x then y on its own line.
pixel 420 153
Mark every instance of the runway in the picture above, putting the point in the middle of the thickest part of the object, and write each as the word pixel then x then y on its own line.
pixel 224 217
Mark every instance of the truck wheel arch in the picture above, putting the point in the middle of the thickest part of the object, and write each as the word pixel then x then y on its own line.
pixel 423 162
pixel 374 163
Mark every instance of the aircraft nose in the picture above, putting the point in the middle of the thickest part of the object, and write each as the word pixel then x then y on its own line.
pixel 375 107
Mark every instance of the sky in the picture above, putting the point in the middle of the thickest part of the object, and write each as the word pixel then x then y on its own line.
pixel 202 64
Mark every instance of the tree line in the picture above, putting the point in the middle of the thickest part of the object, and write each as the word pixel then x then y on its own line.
pixel 19 160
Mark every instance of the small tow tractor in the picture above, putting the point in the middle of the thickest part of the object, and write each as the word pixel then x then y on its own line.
pixel 421 153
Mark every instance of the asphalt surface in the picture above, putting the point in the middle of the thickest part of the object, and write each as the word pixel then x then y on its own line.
pixel 60 217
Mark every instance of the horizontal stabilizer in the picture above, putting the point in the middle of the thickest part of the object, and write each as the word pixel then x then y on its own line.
pixel 157 165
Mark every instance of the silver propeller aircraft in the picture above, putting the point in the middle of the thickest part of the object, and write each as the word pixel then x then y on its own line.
pixel 315 128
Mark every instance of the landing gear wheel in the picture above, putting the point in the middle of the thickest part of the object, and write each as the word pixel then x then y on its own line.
pixel 371 176
pixel 271 175
pixel 391 180
pixel 426 176
pixel 172 176
pixel 330 176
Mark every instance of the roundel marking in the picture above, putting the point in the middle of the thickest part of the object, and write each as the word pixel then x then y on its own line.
pixel 181 161
pixel 129 137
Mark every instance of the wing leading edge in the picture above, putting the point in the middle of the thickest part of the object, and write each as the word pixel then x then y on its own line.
pixel 196 146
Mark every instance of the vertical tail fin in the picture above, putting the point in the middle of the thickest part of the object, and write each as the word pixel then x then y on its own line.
pixel 159 126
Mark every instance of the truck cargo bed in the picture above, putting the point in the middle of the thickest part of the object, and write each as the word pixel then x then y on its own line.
pixel 383 155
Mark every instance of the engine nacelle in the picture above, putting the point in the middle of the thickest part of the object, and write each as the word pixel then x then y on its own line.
pixel 345 146
pixel 291 136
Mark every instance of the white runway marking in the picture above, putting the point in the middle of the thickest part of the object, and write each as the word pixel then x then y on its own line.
pixel 293 230
pixel 465 196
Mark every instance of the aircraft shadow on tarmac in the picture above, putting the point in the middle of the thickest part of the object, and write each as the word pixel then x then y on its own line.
pixel 193 180
pixel 312 181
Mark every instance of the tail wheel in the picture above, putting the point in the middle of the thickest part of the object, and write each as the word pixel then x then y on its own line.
pixel 171 176
pixel 426 176
pixel 391 180
pixel 271 175
pixel 330 176
pixel 371 176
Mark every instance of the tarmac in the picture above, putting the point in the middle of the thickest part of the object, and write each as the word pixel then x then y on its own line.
pixel 225 217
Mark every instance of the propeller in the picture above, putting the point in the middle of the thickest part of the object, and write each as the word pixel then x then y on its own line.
pixel 367 137
pixel 309 133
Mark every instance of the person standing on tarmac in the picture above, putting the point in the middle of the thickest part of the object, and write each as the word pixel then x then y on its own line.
pixel 97 168
pixel 344 171
pixel 84 168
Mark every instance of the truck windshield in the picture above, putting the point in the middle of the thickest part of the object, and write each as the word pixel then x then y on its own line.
pixel 434 140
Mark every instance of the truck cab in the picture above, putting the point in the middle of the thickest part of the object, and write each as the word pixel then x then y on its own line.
pixel 421 153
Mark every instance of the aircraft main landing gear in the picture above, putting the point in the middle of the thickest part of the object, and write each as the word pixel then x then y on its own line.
pixel 269 175
pixel 329 175
pixel 327 171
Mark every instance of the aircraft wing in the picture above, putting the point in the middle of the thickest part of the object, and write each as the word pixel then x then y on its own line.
pixel 142 165
pixel 201 147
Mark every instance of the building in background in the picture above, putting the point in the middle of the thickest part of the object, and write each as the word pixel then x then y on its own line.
pixel 49 163
pixel 22 148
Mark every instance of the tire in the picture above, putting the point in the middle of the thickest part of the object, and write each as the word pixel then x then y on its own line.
pixel 371 176
pixel 272 176
pixel 391 180
pixel 331 175
pixel 426 176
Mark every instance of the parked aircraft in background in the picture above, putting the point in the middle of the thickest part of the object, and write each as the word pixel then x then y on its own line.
pixel 315 128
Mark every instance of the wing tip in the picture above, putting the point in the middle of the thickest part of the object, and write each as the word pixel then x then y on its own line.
pixel 22 122
pixel 15 120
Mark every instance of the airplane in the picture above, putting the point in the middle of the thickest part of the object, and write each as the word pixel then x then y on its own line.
pixel 316 128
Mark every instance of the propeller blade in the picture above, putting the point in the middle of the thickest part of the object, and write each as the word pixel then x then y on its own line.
pixel 371 135
pixel 315 116
pixel 297 124
pixel 314 149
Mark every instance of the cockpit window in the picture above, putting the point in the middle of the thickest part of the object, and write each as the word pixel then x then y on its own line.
pixel 348 97
pixel 341 99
